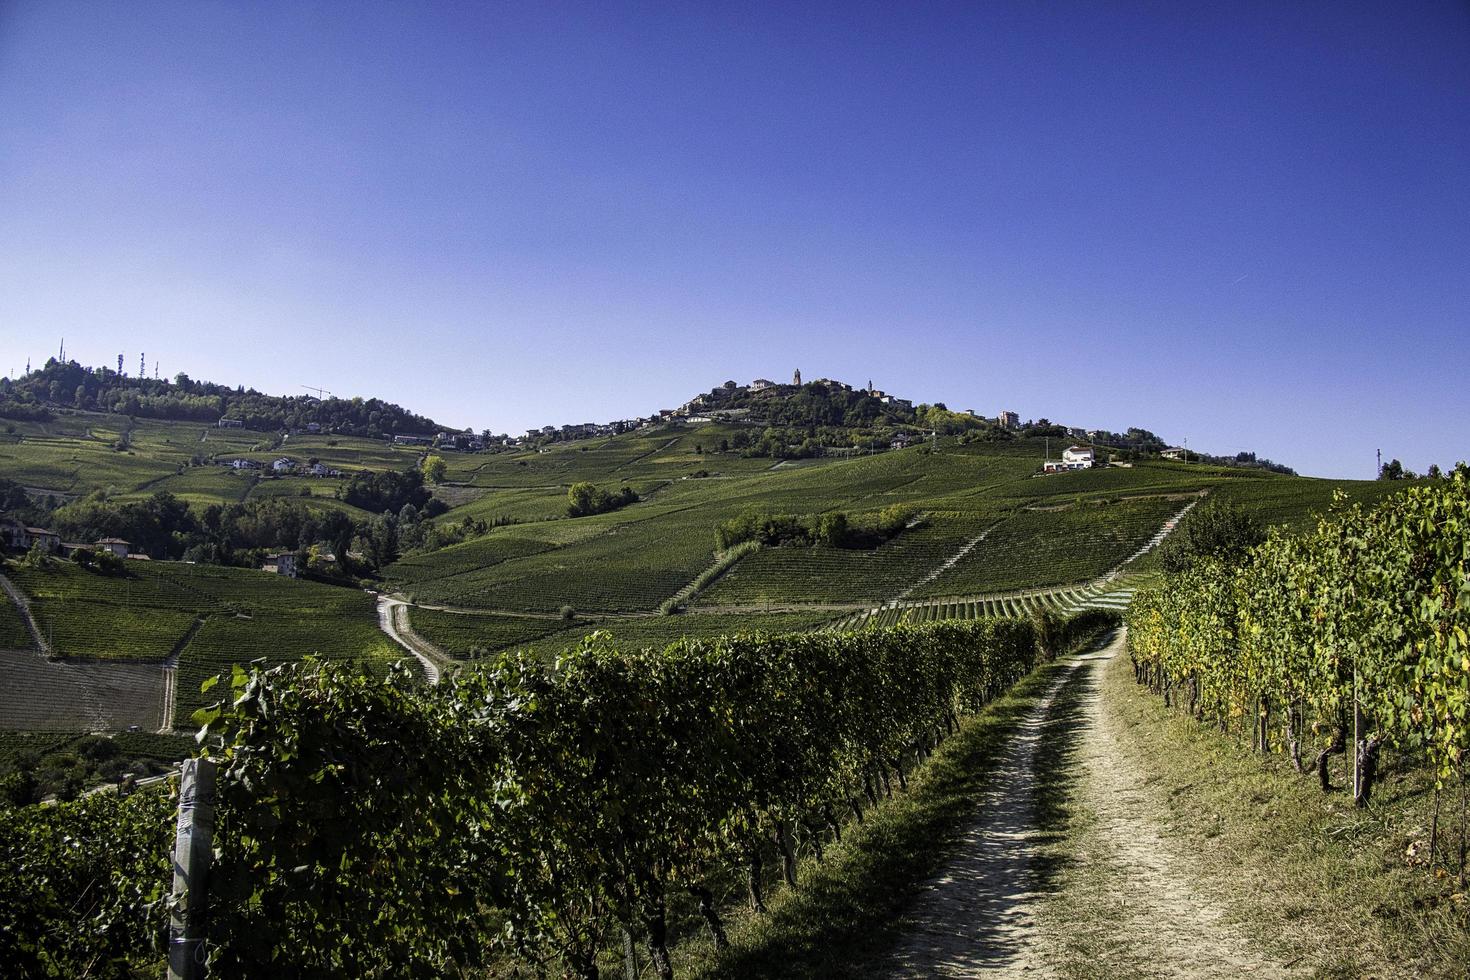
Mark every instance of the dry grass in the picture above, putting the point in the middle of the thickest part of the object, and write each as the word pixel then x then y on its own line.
pixel 1314 882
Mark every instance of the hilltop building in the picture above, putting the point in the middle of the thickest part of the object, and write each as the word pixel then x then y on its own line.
pixel 796 378
pixel 1008 420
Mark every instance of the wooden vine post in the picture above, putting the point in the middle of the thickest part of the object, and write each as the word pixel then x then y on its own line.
pixel 193 848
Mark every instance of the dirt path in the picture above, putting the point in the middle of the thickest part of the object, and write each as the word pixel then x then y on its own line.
pixel 978 915
pixel 1105 895
pixel 393 620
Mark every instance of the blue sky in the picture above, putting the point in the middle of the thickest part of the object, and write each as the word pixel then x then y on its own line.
pixel 1247 225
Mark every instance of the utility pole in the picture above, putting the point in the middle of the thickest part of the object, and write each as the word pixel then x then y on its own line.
pixel 1380 462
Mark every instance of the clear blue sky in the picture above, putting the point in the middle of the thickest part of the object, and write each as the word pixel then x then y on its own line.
pixel 1247 225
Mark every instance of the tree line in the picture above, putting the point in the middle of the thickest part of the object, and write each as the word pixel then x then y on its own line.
pixel 69 385
pixel 831 528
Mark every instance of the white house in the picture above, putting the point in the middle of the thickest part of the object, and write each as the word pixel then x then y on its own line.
pixel 284 465
pixel 1175 452
pixel 761 384
pixel 900 441
pixel 117 546
pixel 1078 458
pixel 282 564
pixel 244 464
pixel 232 423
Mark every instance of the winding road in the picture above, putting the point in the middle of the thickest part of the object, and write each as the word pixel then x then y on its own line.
pixel 390 610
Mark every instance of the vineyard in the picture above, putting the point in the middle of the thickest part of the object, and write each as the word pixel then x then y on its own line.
pixel 463 635
pixel 1348 640
pixel 1113 595
pixel 510 812
pixel 209 616
pixel 1043 547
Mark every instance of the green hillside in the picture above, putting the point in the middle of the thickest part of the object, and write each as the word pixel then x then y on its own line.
pixel 495 547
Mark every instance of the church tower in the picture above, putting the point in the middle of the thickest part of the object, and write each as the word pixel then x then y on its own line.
pixel 796 378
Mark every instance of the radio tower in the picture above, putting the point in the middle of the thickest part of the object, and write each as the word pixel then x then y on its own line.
pixel 119 366
pixel 143 366
pixel 62 356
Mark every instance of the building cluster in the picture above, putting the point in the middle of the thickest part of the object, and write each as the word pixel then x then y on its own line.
pixel 284 466
pixel 710 406
pixel 17 537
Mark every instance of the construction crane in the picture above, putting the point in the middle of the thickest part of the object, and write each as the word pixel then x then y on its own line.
pixel 319 391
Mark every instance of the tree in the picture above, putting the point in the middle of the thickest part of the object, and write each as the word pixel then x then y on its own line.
pixel 1215 530
pixel 1392 470
pixel 434 469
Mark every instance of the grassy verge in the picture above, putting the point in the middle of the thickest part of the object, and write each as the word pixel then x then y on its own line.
pixel 1314 882
pixel 848 910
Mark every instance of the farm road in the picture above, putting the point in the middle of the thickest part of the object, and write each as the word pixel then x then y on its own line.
pixel 393 620
pixel 1124 905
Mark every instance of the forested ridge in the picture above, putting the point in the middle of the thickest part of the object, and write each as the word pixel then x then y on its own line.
pixel 69 385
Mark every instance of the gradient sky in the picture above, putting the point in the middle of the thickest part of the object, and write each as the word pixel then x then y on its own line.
pixel 1245 225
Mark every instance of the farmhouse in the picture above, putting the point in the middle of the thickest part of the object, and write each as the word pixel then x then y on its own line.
pixel 232 423
pixel 284 465
pixel 48 541
pixel 1079 457
pixel 282 564
pixel 244 464
pixel 117 546
pixel 901 440
pixel 1073 458
pixel 322 469
pixel 1175 452
pixel 12 534
pixel 411 440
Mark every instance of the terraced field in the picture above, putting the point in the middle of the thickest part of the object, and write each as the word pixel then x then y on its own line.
pixel 209 616
pixel 42 695
pixel 1063 601
pixel 660 631
pixel 823 574
pixel 13 632
pixel 342 628
pixel 459 634
pixel 1296 502
pixel 1043 547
